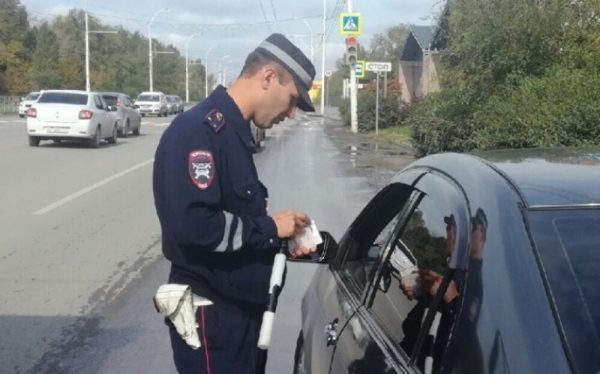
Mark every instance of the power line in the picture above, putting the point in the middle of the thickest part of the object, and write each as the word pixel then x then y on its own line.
pixel 183 25
pixel 334 16
pixel 262 9
pixel 275 15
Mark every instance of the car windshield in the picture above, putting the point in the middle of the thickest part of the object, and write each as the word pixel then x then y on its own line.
pixel 32 97
pixel 63 98
pixel 569 245
pixel 148 98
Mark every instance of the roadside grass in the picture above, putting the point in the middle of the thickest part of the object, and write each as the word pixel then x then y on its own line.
pixel 395 135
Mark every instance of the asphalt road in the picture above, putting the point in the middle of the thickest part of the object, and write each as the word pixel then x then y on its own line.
pixel 80 256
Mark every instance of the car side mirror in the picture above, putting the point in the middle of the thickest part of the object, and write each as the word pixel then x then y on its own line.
pixel 325 252
pixel 111 108
pixel 135 106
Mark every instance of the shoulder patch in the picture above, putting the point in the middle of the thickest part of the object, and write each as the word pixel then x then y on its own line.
pixel 215 120
pixel 201 168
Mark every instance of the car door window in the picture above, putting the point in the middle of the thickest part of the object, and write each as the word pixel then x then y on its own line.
pixel 417 286
pixel 98 102
pixel 364 242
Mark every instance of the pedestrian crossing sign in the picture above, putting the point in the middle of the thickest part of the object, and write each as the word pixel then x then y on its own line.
pixel 350 24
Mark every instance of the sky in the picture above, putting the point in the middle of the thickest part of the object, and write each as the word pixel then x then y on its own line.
pixel 223 32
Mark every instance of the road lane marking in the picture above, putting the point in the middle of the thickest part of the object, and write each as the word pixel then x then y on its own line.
pixel 90 188
pixel 160 124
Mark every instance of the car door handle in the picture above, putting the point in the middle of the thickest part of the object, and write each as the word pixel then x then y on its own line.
pixel 331 335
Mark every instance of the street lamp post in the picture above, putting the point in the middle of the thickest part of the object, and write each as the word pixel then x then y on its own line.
pixel 150 44
pixel 87 50
pixel 221 68
pixel 206 71
pixel 323 54
pixel 187 74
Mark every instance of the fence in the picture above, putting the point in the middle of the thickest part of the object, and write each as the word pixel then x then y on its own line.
pixel 9 104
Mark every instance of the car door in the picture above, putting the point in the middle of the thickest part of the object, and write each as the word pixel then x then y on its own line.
pixel 405 321
pixel 104 117
pixel 341 290
pixel 133 115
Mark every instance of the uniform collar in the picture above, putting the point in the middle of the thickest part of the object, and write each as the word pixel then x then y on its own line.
pixel 232 114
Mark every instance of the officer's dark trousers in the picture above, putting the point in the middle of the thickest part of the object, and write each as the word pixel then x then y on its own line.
pixel 228 344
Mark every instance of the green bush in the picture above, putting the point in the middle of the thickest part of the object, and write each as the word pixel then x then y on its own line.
pixel 344 109
pixel 390 111
pixel 561 108
pixel 441 122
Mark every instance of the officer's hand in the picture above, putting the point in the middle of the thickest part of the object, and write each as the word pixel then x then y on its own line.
pixel 300 252
pixel 289 222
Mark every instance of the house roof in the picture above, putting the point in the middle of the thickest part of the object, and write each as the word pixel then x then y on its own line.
pixel 418 41
pixel 423 35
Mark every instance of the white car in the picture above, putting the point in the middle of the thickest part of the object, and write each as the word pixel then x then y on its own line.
pixel 154 103
pixel 71 115
pixel 26 102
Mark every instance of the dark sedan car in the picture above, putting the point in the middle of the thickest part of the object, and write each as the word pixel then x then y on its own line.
pixel 464 264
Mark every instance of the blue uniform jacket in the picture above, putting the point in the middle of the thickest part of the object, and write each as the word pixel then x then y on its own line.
pixel 211 205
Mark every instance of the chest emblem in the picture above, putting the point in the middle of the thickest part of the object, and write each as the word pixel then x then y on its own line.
pixel 201 167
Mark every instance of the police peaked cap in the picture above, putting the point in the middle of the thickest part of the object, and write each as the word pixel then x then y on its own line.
pixel 282 51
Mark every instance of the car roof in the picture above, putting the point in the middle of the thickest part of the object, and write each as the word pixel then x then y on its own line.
pixel 70 91
pixel 541 177
pixel 112 93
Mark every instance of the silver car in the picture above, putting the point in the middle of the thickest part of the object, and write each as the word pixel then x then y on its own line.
pixel 71 115
pixel 175 104
pixel 129 118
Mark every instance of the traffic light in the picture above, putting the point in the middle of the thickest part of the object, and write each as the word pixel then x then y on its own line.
pixel 351 50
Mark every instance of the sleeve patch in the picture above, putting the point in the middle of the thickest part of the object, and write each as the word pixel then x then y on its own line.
pixel 215 120
pixel 201 167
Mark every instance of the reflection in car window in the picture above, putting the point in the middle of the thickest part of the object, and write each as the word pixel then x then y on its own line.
pixel 365 240
pixel 568 243
pixel 63 98
pixel 412 276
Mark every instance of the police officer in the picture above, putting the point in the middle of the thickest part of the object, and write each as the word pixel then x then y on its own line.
pixel 212 207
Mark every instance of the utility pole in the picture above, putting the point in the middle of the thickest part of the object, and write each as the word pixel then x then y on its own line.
pixel 87 53
pixel 187 68
pixel 353 115
pixel 150 46
pixel 87 49
pixel 206 71
pixel 323 54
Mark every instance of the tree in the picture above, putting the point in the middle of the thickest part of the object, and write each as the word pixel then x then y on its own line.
pixel 52 56
pixel 517 73
pixel 14 28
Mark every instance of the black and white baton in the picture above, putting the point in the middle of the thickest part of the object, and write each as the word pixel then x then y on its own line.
pixel 275 286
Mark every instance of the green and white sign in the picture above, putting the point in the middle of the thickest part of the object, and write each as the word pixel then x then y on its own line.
pixel 350 24
pixel 359 69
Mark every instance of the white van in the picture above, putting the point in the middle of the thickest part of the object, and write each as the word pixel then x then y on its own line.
pixel 154 103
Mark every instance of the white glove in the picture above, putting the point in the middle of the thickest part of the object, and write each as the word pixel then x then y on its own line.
pixel 176 302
